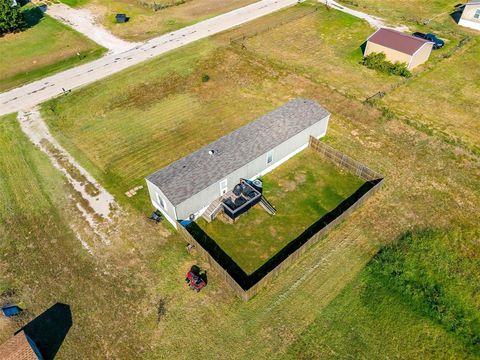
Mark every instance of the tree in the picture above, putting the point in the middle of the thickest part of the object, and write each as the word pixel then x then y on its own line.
pixel 11 17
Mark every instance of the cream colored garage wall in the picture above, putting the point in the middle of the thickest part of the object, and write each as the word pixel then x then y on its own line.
pixel 421 55
pixel 391 55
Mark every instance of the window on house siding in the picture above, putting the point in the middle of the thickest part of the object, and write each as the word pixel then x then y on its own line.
pixel 477 14
pixel 161 202
pixel 269 157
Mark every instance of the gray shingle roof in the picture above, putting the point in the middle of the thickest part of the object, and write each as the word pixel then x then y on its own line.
pixel 195 172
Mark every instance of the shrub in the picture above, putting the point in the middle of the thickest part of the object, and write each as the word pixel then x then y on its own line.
pixel 162 4
pixel 378 61
pixel 11 18
pixel 205 77
pixel 400 69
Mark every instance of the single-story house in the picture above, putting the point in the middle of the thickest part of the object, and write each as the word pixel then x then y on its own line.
pixel 471 15
pixel 20 347
pixel 185 188
pixel 400 47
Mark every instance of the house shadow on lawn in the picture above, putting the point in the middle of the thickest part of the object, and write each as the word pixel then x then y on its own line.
pixel 49 329
pixel 457 13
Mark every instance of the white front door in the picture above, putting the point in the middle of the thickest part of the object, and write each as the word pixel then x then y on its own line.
pixel 223 186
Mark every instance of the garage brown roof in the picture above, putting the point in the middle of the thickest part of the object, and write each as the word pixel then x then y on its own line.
pixel 397 40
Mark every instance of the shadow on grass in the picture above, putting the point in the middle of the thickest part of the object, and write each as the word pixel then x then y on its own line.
pixel 247 281
pixel 457 14
pixel 49 329
pixel 32 16
pixel 363 48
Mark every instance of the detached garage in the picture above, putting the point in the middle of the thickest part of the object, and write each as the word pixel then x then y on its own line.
pixel 399 47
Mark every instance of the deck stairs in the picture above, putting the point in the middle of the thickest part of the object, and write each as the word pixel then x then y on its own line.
pixel 213 209
pixel 267 206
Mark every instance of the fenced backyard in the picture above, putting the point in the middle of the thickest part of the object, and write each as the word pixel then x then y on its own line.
pixel 247 285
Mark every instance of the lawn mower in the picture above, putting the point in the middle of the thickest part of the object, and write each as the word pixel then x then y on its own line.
pixel 194 279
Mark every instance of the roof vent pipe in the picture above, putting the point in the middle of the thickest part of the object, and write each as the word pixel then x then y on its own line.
pixel 211 152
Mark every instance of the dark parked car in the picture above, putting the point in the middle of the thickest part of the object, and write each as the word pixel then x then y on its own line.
pixel 437 43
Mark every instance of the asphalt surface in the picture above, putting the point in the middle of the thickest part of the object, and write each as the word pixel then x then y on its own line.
pixel 29 95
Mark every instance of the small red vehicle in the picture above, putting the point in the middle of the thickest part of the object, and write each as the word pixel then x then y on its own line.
pixel 195 280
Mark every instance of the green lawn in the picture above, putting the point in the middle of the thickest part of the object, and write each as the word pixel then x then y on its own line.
pixel 451 114
pixel 75 3
pixel 364 319
pixel 454 113
pixel 135 122
pixel 43 49
pixel 332 56
pixel 410 292
pixel 42 261
pixel 302 190
pixel 115 294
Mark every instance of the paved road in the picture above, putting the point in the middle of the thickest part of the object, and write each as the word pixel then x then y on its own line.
pixel 32 94
pixel 85 23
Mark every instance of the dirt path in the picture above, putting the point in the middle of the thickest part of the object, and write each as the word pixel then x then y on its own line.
pixel 85 23
pixel 374 21
pixel 95 204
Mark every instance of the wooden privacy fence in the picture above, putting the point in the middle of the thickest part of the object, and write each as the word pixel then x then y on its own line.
pixel 344 161
pixel 246 286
